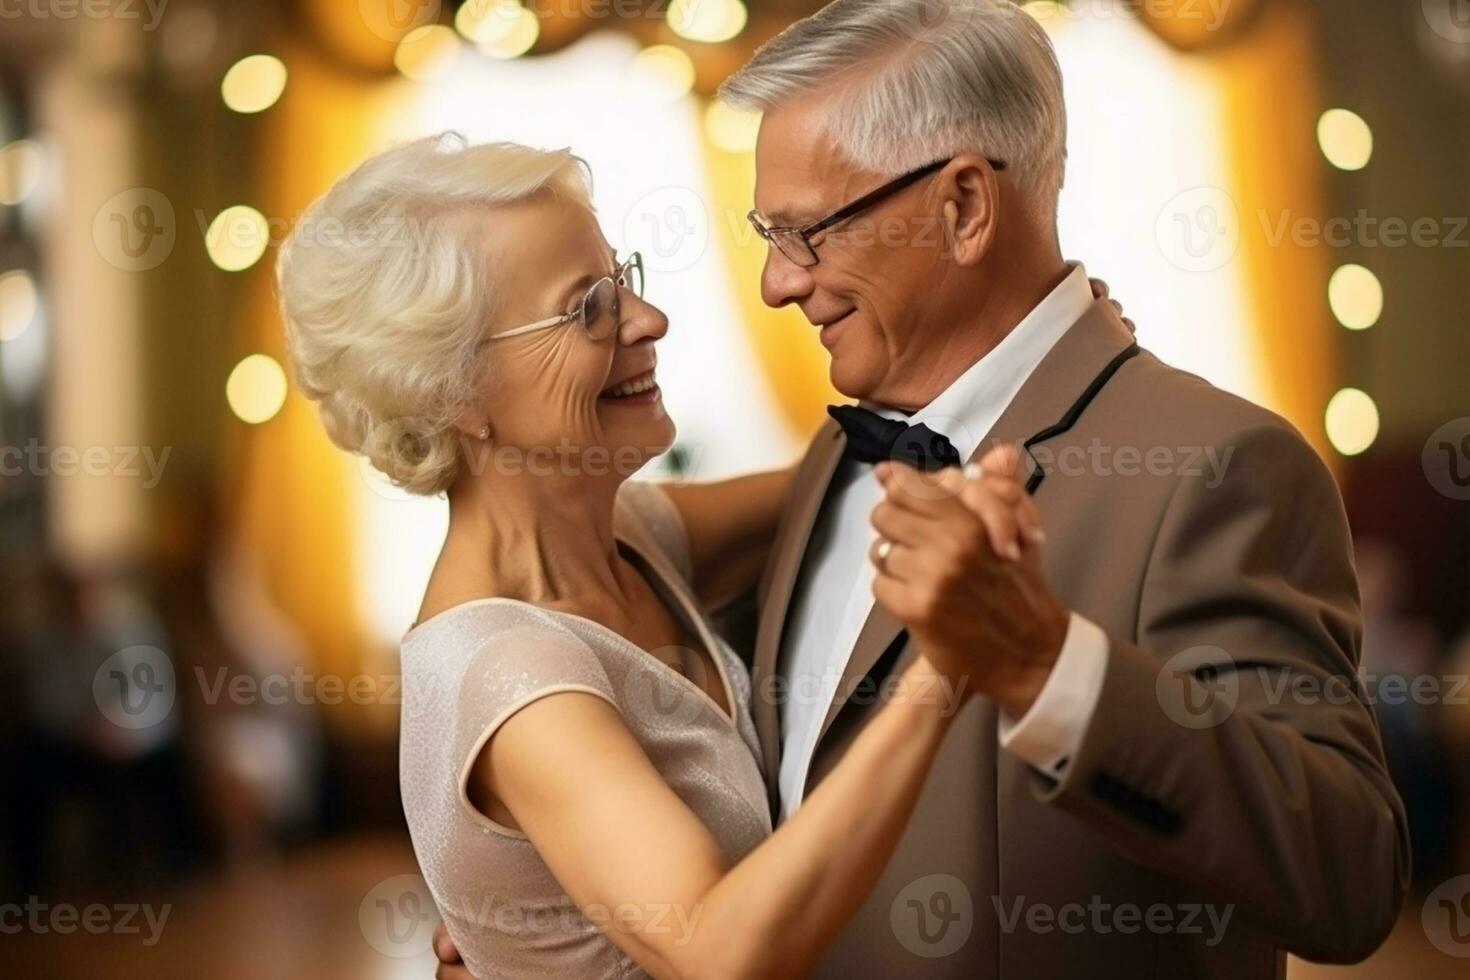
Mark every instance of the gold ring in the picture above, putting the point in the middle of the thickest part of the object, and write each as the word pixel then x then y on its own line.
pixel 881 558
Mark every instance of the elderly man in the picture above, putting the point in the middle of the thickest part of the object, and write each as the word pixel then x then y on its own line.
pixel 1173 771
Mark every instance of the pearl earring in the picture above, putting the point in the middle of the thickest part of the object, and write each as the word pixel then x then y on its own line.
pixel 484 433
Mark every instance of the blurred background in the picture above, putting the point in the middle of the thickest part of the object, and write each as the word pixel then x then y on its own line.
pixel 200 598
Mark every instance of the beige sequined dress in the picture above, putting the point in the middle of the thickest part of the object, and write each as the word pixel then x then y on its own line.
pixel 468 669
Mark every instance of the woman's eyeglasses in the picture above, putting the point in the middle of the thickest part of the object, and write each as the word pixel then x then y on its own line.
pixel 600 310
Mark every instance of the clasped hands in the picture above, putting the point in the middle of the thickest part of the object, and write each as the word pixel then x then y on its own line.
pixel 958 559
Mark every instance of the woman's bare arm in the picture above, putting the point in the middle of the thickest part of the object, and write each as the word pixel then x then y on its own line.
pixel 729 524
pixel 618 838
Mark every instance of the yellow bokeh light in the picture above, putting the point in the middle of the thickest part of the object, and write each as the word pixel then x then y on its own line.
pixel 254 84
pixel 732 130
pixel 662 72
pixel 237 238
pixel 21 165
pixel 1345 138
pixel 256 389
pixel 17 303
pixel 426 52
pixel 1356 297
pixel 513 32
pixel 1352 421
pixel 710 21
pixel 1045 11
pixel 482 21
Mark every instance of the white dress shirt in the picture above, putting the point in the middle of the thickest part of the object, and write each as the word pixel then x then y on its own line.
pixel 834 594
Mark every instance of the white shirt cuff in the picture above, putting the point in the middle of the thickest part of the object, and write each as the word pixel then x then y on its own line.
pixel 1049 734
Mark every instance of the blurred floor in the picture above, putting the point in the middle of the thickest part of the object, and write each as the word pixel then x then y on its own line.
pixel 297 917
pixel 301 918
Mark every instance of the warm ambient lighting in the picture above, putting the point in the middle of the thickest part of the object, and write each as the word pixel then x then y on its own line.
pixel 509 32
pixel 662 72
pixel 254 84
pixel 237 238
pixel 732 130
pixel 710 21
pixel 426 52
pixel 1352 421
pixel 21 165
pixel 1346 139
pixel 256 389
pixel 1044 11
pixel 1356 297
pixel 17 303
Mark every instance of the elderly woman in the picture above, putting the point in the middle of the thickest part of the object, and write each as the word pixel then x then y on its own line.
pixel 578 763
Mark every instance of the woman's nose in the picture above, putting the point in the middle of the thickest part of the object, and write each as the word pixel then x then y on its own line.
pixel 641 320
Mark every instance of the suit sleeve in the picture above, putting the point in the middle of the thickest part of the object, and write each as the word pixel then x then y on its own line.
pixel 1233 743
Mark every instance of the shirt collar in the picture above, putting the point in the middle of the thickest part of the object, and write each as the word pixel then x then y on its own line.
pixel 970 406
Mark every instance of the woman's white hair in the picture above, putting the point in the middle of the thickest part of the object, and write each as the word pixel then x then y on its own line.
pixel 912 81
pixel 387 295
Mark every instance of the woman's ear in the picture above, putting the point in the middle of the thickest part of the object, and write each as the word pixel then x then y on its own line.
pixel 473 424
pixel 971 208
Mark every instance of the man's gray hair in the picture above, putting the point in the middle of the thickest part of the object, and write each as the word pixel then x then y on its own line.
pixel 913 81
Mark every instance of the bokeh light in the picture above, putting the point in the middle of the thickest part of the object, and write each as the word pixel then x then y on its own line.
pixel 732 130
pixel 508 32
pixel 21 166
pixel 1352 421
pixel 661 72
pixel 237 238
pixel 710 21
pixel 253 84
pixel 426 52
pixel 17 303
pixel 256 389
pixel 1345 138
pixel 1356 297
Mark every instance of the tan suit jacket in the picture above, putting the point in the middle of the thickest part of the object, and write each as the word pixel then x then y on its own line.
pixel 1230 799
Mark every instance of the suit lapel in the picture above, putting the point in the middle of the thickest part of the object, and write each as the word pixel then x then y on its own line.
pixel 1050 401
pixel 809 487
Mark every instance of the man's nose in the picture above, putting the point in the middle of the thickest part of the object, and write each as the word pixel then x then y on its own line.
pixel 783 281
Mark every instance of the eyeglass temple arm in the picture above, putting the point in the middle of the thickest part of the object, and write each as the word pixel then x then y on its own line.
pixel 879 193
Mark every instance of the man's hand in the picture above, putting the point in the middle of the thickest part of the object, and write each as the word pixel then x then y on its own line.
pixel 963 573
pixel 451 967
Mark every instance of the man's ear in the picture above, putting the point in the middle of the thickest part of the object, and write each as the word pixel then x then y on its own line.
pixel 971 207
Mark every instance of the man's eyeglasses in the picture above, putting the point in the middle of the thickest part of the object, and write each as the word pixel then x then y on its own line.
pixel 600 310
pixel 796 243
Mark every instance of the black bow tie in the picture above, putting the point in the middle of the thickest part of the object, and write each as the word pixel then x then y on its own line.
pixel 872 439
